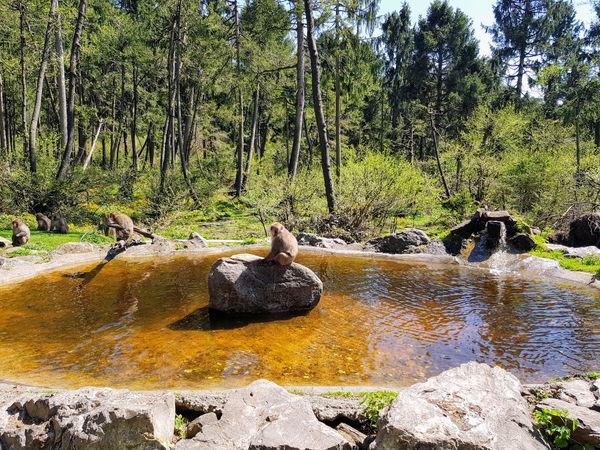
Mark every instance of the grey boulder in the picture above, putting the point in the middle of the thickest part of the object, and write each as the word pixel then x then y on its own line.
pixel 244 284
pixel 473 406
pixel 264 416
pixel 88 418
pixel 410 240
pixel 313 240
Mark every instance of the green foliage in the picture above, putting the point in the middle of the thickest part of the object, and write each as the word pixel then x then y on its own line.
pixel 589 264
pixel 373 403
pixel 180 425
pixel 556 425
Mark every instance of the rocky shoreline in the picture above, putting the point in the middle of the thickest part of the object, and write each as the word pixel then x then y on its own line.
pixel 471 406
pixel 20 268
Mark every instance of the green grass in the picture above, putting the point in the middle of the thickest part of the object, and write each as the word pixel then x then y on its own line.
pixel 296 391
pixel 589 264
pixel 42 242
pixel 342 394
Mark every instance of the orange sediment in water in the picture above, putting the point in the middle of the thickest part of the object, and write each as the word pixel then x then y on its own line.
pixel 144 324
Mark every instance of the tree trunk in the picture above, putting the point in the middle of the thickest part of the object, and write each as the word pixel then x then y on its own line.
pixel 437 158
pixel 252 135
pixel 240 140
pixel 24 87
pixel 338 127
pixel 318 106
pixel 3 138
pixel 181 138
pixel 40 88
pixel 62 93
pixel 134 119
pixel 73 69
pixel 293 167
pixel 89 156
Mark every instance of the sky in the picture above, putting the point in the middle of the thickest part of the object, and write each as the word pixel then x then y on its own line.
pixel 480 12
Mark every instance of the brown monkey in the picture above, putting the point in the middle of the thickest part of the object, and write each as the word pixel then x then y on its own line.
pixel 284 247
pixel 44 223
pixel 122 224
pixel 59 225
pixel 21 233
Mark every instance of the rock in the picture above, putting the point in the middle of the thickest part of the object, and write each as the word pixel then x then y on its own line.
pixel 588 421
pixel 201 402
pixel 5 242
pixel 585 231
pixel 317 241
pixel 496 231
pixel 559 237
pixel 352 435
pixel 595 388
pixel 409 240
pixel 435 247
pixel 477 223
pixel 522 242
pixel 74 247
pixel 196 425
pixel 196 241
pixel 473 406
pixel 337 409
pixel 579 392
pixel 89 418
pixel 574 252
pixel 244 284
pixel 264 416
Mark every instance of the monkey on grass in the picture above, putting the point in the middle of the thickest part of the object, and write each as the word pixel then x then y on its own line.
pixel 21 233
pixel 284 247
pixel 44 223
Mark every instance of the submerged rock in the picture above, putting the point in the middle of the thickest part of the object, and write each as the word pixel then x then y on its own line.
pixel 410 240
pixel 88 418
pixel 245 284
pixel 265 416
pixel 473 406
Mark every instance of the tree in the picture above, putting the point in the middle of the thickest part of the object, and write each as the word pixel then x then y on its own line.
pixel 315 65
pixel 398 40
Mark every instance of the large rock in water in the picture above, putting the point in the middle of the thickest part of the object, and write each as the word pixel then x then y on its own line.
pixel 264 416
pixel 473 406
pixel 88 418
pixel 243 284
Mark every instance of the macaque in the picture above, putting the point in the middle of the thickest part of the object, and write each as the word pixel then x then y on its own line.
pixel 122 224
pixel 21 232
pixel 59 225
pixel 284 247
pixel 44 223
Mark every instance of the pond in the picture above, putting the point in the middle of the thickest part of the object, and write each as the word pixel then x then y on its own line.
pixel 144 324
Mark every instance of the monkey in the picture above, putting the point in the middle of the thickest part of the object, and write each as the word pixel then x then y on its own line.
pixel 122 224
pixel 44 223
pixel 21 233
pixel 59 225
pixel 284 247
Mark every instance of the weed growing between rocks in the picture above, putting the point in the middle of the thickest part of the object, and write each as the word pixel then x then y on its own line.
pixel 558 427
pixel 374 403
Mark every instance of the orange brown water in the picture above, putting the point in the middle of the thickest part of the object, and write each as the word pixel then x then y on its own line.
pixel 144 324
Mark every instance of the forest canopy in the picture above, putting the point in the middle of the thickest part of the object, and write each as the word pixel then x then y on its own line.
pixel 323 114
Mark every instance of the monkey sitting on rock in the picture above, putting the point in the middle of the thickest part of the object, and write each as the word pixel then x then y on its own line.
pixel 284 247
pixel 123 226
pixel 21 233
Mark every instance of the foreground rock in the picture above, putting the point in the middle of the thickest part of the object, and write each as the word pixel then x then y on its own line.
pixel 88 418
pixel 472 406
pixel 265 416
pixel 244 284
pixel 410 240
